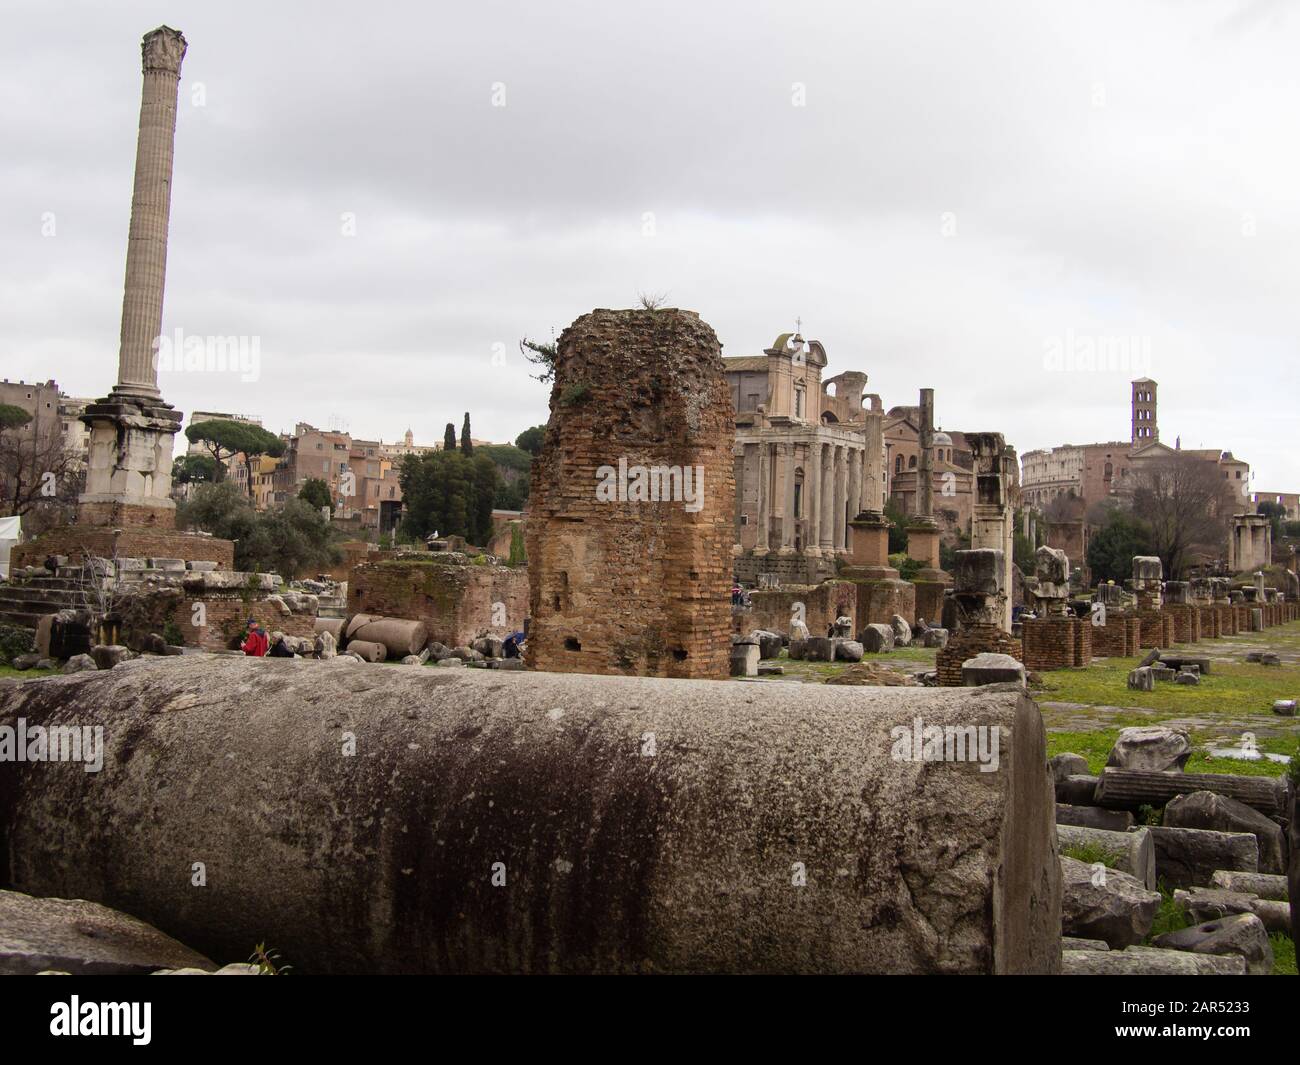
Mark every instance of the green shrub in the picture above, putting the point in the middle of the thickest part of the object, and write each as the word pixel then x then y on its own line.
pixel 14 641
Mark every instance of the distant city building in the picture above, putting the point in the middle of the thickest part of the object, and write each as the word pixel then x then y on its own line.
pixel 1096 472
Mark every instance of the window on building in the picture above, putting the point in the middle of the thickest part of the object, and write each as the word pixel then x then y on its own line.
pixel 911 463
pixel 898 464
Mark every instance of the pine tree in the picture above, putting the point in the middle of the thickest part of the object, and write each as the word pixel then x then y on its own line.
pixel 465 444
pixel 449 438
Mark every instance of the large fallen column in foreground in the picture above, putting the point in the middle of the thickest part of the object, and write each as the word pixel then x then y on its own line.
pixel 539 822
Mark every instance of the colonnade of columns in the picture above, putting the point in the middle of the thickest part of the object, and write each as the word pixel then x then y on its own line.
pixel 809 514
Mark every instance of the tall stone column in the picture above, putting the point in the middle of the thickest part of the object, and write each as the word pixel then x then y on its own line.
pixel 785 458
pixel 873 467
pixel 764 498
pixel 840 497
pixel 812 491
pixel 855 492
pixel 827 538
pixel 146 250
pixel 131 431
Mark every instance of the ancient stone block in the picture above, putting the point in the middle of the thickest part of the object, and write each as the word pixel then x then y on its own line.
pixel 687 860
pixel 630 524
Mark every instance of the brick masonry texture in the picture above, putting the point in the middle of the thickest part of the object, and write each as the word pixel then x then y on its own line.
pixel 822 603
pixel 967 643
pixel 455 601
pixel 633 587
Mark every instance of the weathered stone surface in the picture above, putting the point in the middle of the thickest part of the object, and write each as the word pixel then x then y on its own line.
pixel 989 667
pixel 1093 817
pixel 769 643
pixel 1156 748
pixel 25 661
pixel 1242 935
pixel 1187 857
pixel 819 649
pixel 848 651
pixel 1131 788
pixel 368 650
pixel 936 637
pixel 1142 679
pixel 744 659
pixel 1148 961
pixel 1219 813
pixel 1075 943
pixel 1067 764
pixel 1078 789
pixel 107 656
pixel 399 636
pixel 1129 852
pixel 1205 904
pixel 84 939
pixel 1265 885
pixel 685 861
pixel 1107 904
pixel 79 664
pixel 877 638
pixel 902 630
pixel 1284 707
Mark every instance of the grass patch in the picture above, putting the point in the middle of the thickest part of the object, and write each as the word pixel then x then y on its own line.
pixel 1283 954
pixel 1170 917
pixel 1089 854
pixel 26 674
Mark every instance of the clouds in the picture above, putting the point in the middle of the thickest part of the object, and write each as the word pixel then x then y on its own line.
pixel 938 190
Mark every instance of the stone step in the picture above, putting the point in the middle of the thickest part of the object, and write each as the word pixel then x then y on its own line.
pixel 19 618
pixel 21 594
pixel 62 583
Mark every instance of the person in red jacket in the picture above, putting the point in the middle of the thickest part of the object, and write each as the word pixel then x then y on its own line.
pixel 256 643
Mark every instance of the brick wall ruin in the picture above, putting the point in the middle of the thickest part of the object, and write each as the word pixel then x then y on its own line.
pixel 631 508
pixel 772 609
pixel 457 599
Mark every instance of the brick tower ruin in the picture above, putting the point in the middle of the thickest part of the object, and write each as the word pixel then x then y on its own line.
pixel 630 517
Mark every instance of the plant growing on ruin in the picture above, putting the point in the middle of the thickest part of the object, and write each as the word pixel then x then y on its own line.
pixel 651 301
pixel 269 962
pixel 574 393
pixel 540 354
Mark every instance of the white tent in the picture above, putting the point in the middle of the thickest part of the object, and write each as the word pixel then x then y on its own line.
pixel 10 533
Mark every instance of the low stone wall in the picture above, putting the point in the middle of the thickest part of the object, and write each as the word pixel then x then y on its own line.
pixel 457 601
pixel 534 822
pixel 772 608
pixel 81 541
pixel 880 600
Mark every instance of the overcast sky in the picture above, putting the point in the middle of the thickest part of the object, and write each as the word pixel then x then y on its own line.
pixel 956 195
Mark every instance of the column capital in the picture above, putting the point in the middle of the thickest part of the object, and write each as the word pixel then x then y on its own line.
pixel 163 49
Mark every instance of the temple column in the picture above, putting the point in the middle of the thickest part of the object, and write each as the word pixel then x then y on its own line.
pixel 826 539
pixel 764 497
pixel 812 485
pixel 855 495
pixel 785 458
pixel 840 496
